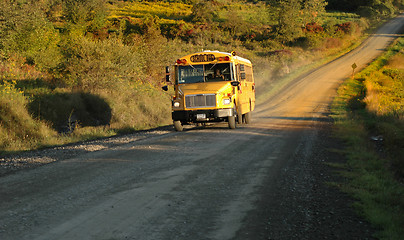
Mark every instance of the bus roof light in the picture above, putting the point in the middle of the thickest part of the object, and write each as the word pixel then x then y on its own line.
pixel 181 61
pixel 226 58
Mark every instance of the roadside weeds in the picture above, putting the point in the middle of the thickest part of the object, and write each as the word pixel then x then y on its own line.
pixel 373 164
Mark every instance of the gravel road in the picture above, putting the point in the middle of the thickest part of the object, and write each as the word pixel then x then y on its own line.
pixel 266 180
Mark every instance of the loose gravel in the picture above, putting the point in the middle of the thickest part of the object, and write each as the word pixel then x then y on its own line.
pixel 30 159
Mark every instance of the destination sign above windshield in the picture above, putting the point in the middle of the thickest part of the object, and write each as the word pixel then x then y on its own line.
pixel 203 58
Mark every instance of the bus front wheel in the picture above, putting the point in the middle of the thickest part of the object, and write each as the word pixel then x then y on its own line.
pixel 178 126
pixel 232 122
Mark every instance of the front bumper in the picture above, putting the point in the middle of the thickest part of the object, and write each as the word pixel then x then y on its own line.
pixel 215 115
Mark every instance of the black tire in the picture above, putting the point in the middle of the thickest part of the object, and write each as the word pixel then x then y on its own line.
pixel 247 118
pixel 232 122
pixel 178 126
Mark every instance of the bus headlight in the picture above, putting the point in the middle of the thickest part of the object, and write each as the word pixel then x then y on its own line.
pixel 226 101
pixel 176 104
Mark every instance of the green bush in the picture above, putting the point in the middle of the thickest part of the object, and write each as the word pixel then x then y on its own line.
pixel 88 15
pixel 290 21
pixel 93 64
pixel 24 29
pixel 204 11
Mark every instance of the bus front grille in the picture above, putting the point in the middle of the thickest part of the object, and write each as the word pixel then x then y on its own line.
pixel 200 101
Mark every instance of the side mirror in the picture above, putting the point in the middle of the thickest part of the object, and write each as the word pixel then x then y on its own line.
pixel 165 88
pixel 235 83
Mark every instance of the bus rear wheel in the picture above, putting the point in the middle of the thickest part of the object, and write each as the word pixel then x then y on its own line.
pixel 178 126
pixel 247 118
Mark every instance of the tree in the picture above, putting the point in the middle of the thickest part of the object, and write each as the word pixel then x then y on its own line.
pixel 235 24
pixel 25 30
pixel 289 19
pixel 312 9
pixel 293 15
pixel 204 11
pixel 85 15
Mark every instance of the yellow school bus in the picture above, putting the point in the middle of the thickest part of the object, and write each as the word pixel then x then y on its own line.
pixel 212 86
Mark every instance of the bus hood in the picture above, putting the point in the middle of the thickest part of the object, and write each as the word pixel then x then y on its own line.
pixel 204 88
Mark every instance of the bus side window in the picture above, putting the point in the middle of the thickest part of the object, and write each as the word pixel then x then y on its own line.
pixel 240 72
pixel 248 74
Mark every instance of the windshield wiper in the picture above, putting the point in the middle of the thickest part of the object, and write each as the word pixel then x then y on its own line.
pixel 213 66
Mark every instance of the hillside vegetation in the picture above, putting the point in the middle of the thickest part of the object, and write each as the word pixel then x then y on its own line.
pixel 73 70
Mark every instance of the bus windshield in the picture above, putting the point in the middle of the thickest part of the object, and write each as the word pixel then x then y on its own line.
pixel 205 73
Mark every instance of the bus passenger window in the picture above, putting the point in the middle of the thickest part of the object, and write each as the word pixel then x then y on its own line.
pixel 241 67
pixel 248 73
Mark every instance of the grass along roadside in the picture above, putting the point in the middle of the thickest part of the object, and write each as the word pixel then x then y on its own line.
pixel 369 118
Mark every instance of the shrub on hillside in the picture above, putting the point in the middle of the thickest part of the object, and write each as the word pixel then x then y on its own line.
pixel 92 64
pixel 155 50
pixel 179 29
pixel 204 12
pixel 290 21
pixel 313 27
pixel 90 15
pixel 344 27
pixel 25 30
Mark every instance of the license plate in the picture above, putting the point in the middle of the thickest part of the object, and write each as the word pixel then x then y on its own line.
pixel 201 116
